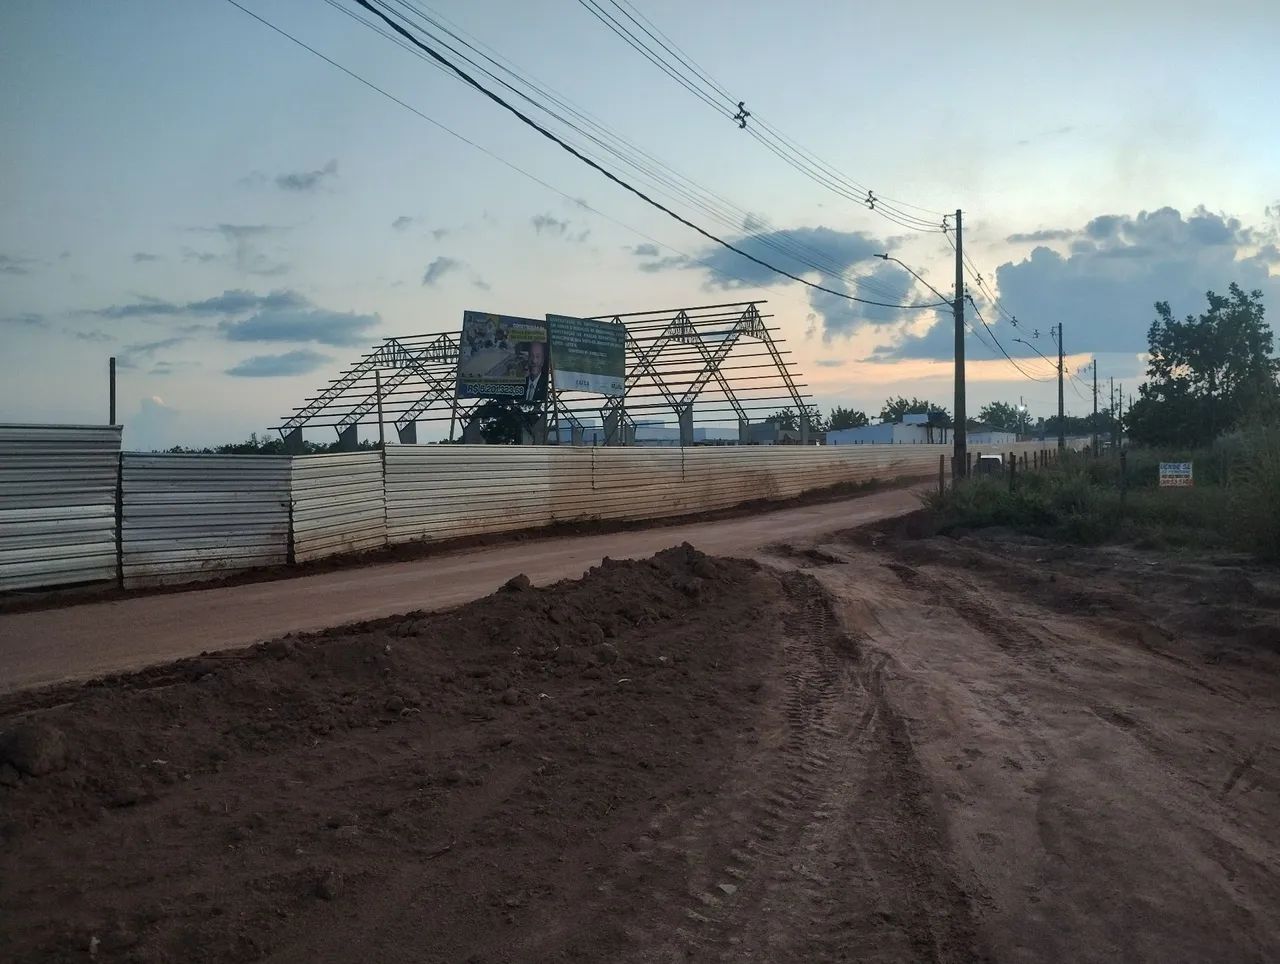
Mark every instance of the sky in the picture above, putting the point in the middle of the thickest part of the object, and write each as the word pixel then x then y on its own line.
pixel 236 219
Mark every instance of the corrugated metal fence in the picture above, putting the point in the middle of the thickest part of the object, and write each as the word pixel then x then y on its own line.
pixel 190 517
pixel 338 504
pixel 57 504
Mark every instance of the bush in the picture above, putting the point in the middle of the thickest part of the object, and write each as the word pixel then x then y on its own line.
pixel 1255 491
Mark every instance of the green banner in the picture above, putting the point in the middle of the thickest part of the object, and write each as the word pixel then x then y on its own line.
pixel 586 355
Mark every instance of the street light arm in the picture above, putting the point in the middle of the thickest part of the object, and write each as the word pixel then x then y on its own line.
pixel 885 257
pixel 1038 352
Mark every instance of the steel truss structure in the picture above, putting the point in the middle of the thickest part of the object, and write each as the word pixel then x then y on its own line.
pixel 724 359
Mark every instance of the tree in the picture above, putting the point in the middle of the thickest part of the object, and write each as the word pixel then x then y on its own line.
pixel 1002 417
pixel 787 420
pixel 895 408
pixel 1205 374
pixel 842 417
pixel 503 421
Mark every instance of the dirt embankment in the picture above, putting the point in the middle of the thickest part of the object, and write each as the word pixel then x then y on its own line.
pixel 879 748
pixel 671 759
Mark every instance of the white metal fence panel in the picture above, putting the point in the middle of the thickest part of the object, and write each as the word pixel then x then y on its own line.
pixel 440 491
pixel 57 504
pixel 338 504
pixel 190 517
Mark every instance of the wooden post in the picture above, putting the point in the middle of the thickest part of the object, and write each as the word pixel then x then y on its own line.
pixel 1013 469
pixel 942 477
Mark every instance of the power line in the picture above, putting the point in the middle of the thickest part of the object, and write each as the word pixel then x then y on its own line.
pixel 619 147
pixel 524 118
pixel 484 150
pixel 1025 373
pixel 702 85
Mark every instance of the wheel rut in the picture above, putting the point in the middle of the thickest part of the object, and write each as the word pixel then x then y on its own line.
pixel 822 846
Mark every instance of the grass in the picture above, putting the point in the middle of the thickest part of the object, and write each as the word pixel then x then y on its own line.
pixel 1234 504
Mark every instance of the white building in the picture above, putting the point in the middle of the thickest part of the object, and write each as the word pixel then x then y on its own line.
pixel 991 437
pixel 912 430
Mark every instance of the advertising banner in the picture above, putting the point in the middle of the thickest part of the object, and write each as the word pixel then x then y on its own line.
pixel 1175 474
pixel 502 357
pixel 588 356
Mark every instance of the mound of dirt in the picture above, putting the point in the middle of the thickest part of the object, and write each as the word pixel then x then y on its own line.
pixel 211 809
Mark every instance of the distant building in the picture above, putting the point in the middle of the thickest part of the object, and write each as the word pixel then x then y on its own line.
pixel 987 436
pixel 913 430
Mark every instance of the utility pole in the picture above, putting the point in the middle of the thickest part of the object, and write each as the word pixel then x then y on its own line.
pixel 959 433
pixel 111 391
pixel 1062 428
pixel 1120 414
pixel 1096 438
pixel 1111 411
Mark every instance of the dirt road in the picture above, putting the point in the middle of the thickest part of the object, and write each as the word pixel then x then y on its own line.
pixel 876 749
pixel 79 642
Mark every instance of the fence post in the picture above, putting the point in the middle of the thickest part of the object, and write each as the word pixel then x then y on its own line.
pixel 1013 469
pixel 1124 481
pixel 119 518
pixel 968 464
pixel 942 477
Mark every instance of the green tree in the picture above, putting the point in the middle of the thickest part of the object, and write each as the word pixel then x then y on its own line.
pixel 842 417
pixel 1205 374
pixel 503 421
pixel 788 420
pixel 895 408
pixel 1002 417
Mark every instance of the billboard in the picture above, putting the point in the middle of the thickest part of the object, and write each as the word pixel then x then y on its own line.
pixel 502 357
pixel 589 356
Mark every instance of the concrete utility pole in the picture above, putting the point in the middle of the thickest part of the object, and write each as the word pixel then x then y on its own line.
pixel 959 435
pixel 1111 412
pixel 1062 428
pixel 111 391
pixel 1095 406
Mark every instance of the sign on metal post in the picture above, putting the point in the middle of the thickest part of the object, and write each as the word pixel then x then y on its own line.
pixel 1175 474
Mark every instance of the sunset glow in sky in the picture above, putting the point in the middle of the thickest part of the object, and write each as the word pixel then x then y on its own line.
pixel 237 219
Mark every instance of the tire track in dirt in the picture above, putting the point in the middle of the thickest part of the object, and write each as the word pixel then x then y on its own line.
pixel 823 846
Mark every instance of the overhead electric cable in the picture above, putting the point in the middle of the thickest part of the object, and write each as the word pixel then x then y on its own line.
pixel 549 135
pixel 655 172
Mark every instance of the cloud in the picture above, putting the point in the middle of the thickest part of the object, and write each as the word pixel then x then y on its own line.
pixel 645 251
pixel 439 234
pixel 27 319
pixel 306 180
pixel 140 256
pixel 402 222
pixel 244 241
pixel 1104 289
pixel 90 336
pixel 201 257
pixel 549 224
pixel 299 362
pixel 482 284
pixel 230 302
pixel 830 362
pixel 151 347
pixel 1050 234
pixel 438 268
pixel 302 325
pixel 752 223
pixel 153 426
pixel 12 264
pixel 846 253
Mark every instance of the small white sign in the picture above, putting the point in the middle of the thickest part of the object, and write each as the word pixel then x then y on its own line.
pixel 1176 474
